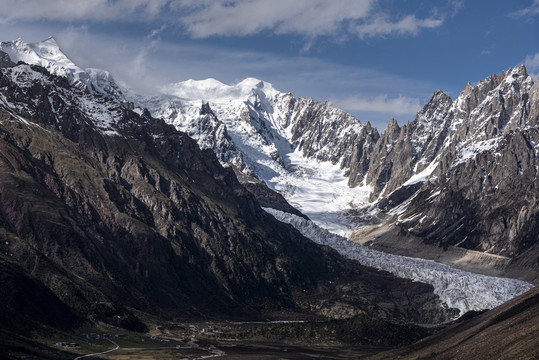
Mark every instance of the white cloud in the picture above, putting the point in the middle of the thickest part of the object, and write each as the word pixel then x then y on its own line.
pixel 400 105
pixel 73 10
pixel 130 61
pixel 532 65
pixel 139 65
pixel 310 18
pixel 408 25
pixel 246 17
pixel 529 11
pixel 489 50
pixel 205 18
pixel 532 61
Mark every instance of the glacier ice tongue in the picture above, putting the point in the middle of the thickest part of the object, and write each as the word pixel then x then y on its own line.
pixel 457 288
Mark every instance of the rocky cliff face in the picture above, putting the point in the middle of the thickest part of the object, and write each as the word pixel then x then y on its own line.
pixel 402 152
pixel 482 177
pixel 110 210
pixel 325 133
pixel 263 122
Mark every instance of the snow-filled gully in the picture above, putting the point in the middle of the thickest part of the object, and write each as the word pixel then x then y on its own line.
pixel 457 288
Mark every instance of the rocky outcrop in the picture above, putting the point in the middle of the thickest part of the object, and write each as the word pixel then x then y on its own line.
pixel 429 129
pixel 402 152
pixel 362 155
pixel 323 132
pixel 203 126
pixel 390 158
pixel 5 60
pixel 482 180
pixel 487 203
pixel 266 197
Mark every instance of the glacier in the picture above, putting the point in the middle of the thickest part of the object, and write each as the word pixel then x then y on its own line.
pixel 457 288
pixel 260 122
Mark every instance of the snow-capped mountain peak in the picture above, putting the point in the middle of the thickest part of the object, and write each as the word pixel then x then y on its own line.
pixel 213 90
pixel 298 146
pixel 47 53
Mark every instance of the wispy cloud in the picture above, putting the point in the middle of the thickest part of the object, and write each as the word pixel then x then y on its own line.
pixel 529 11
pixel 310 19
pixel 532 65
pixel 301 17
pixel 73 10
pixel 489 50
pixel 400 105
pixel 383 26
pixel 139 64
pixel 457 5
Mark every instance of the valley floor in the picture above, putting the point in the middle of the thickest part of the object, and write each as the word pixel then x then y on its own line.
pixel 184 341
pixel 508 332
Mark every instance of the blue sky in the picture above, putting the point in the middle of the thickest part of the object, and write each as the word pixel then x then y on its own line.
pixel 373 58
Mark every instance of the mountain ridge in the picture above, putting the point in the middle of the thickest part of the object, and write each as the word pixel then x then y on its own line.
pixel 331 167
pixel 287 142
pixel 114 210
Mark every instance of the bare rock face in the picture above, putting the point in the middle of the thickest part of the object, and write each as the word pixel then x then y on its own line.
pixel 266 197
pixel 5 60
pixel 402 152
pixel 326 133
pixel 205 127
pixel 362 152
pixel 488 203
pixel 482 177
pixel 429 130
pixel 383 156
pixel 213 135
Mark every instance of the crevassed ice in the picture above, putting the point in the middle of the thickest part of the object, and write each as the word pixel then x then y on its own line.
pixel 457 288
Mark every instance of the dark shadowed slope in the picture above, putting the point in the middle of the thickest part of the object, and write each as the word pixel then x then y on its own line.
pixel 510 331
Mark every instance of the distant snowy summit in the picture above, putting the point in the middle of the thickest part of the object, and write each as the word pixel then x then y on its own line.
pixel 212 90
pixel 47 54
